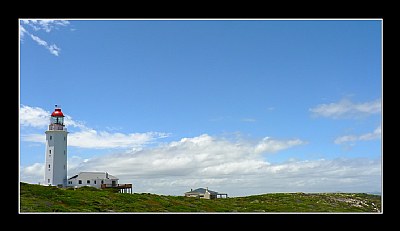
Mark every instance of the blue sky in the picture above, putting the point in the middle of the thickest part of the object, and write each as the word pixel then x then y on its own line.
pixel 240 106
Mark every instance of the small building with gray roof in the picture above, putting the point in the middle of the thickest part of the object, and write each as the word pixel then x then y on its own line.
pixel 205 194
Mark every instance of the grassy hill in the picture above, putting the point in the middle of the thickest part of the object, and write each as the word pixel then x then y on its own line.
pixel 37 198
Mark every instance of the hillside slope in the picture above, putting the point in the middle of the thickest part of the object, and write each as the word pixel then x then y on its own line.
pixel 37 198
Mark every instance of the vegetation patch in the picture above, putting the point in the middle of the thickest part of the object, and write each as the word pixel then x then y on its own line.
pixel 38 198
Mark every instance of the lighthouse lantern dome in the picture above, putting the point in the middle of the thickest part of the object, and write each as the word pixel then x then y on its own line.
pixel 57 117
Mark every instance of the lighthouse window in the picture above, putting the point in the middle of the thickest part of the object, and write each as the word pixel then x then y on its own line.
pixel 88 181
pixel 64 137
pixel 64 152
pixel 49 165
pixel 48 180
pixel 49 151
pixel 94 181
pixel 80 182
pixel 50 137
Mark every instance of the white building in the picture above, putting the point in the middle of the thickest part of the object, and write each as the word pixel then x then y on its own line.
pixel 56 151
pixel 93 179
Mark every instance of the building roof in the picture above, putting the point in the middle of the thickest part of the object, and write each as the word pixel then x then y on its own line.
pixel 95 175
pixel 201 191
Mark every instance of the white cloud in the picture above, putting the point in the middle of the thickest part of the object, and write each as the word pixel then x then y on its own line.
pixel 22 31
pixel 39 40
pixel 345 139
pixel 189 162
pixel 270 145
pixel 52 48
pixel 198 157
pixel 45 25
pixel 86 137
pixel 36 169
pixel 250 120
pixel 203 153
pixel 38 138
pixel 376 134
pixel 69 122
pixel 33 117
pixel 92 139
pixel 347 109
pixel 33 173
pixel 233 167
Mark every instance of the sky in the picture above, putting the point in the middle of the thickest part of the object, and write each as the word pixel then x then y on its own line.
pixel 243 107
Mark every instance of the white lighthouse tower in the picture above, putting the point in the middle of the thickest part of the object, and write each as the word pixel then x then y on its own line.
pixel 56 150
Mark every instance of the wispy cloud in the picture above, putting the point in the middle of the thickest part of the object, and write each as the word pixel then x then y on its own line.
pixel 271 145
pixel 45 25
pixel 39 41
pixel 52 48
pixel 347 109
pixel 85 137
pixel 249 120
pixel 22 31
pixel 33 117
pixel 90 138
pixel 376 134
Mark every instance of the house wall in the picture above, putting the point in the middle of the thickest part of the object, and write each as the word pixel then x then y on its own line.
pixel 207 195
pixel 193 195
pixel 75 182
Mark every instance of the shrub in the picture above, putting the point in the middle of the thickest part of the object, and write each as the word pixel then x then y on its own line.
pixel 87 188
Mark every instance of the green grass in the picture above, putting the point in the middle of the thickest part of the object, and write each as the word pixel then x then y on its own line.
pixel 37 198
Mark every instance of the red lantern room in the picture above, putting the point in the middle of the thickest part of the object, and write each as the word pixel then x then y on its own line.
pixel 57 119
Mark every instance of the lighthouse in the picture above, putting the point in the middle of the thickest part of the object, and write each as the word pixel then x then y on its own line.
pixel 56 150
